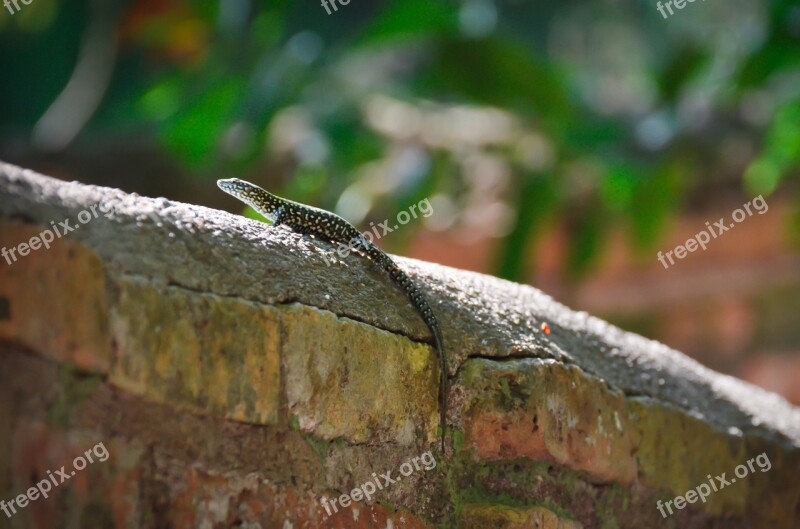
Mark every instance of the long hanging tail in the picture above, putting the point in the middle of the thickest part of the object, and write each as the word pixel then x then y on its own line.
pixel 424 309
pixel 443 380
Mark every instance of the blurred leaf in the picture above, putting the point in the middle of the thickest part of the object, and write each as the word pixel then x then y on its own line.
pixel 192 135
pixel 536 201
pixel 500 73
pixel 267 29
pixel 353 144
pixel 655 197
pixel 308 184
pixel 781 151
pixel 586 226
pixel 619 186
pixel 591 134
pixel 644 195
pixel 774 57
pixel 680 70
pixel 410 19
pixel 783 139
pixel 161 100
pixel 762 176
pixel 781 48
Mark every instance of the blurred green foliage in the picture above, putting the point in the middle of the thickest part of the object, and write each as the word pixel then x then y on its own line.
pixel 512 115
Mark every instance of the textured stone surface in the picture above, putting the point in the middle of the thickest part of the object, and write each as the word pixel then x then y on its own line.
pixel 239 379
pixel 502 517
pixel 682 460
pixel 546 411
pixel 344 379
pixel 216 355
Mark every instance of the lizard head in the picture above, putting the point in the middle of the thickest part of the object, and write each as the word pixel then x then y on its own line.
pixel 239 188
pixel 252 195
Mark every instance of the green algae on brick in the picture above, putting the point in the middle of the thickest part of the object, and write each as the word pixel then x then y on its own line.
pixel 215 355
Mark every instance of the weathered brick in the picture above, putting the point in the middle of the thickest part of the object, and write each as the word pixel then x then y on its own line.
pixel 212 354
pixel 346 379
pixel 503 517
pixel 543 410
pixel 103 494
pixel 225 500
pixel 677 452
pixel 54 301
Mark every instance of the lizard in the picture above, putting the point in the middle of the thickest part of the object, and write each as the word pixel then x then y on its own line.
pixel 322 224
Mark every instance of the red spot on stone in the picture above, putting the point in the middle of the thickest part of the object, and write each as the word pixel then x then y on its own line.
pixel 545 328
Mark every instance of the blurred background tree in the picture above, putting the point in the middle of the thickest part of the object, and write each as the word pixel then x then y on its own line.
pixel 561 144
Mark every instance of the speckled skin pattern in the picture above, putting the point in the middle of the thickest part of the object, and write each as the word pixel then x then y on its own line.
pixel 308 220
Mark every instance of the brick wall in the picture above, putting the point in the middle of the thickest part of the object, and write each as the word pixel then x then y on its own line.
pixel 236 380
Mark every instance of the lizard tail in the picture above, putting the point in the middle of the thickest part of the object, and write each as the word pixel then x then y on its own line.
pixel 443 383
pixel 424 309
